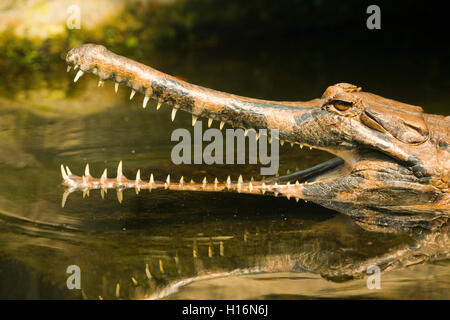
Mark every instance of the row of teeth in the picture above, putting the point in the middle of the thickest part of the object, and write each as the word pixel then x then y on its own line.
pixel 87 182
pixel 175 109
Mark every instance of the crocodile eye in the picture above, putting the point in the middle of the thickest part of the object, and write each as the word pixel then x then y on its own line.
pixel 342 105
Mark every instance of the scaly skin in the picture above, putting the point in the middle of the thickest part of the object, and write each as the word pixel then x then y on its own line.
pixel 393 160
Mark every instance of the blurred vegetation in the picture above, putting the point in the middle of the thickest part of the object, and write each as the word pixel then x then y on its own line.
pixel 143 25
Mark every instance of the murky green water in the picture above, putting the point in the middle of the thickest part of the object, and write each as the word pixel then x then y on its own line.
pixel 179 244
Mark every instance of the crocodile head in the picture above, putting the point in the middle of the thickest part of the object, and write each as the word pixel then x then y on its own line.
pixel 392 164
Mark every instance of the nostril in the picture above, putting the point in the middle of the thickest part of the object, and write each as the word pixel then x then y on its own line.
pixel 69 57
pixel 72 58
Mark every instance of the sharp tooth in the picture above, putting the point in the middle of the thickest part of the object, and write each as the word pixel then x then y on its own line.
pixel 68 68
pixel 263 189
pixel 100 83
pixel 134 281
pixel 292 144
pixel 120 196
pixel 174 112
pixel 210 121
pixel 282 142
pixel 68 171
pixel 168 180
pixel 204 182
pixel 228 182
pixel 275 194
pixel 301 146
pixel 288 196
pixel 221 249
pixel 192 181
pixel 310 148
pixel 76 67
pixel 86 170
pixel 296 199
pixel 144 103
pixel 151 179
pixel 102 193
pixel 158 105
pixel 117 290
pixel 181 181
pixel 63 173
pixel 210 251
pixel 119 171
pixel 132 94
pixel 194 120
pixel 250 187
pixel 104 176
pixel 215 183
pixel 297 183
pixel 240 180
pixel 221 125
pixel 64 198
pixel 116 87
pixel 147 272
pixel 138 176
pixel 79 74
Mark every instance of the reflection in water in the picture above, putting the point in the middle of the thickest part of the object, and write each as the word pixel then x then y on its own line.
pixel 155 243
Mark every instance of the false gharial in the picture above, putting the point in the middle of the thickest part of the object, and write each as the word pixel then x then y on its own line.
pixel 392 162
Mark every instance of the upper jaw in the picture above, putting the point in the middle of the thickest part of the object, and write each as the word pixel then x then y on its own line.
pixel 296 121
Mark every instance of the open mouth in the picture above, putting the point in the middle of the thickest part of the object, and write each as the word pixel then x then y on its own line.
pixel 288 185
pixel 136 76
